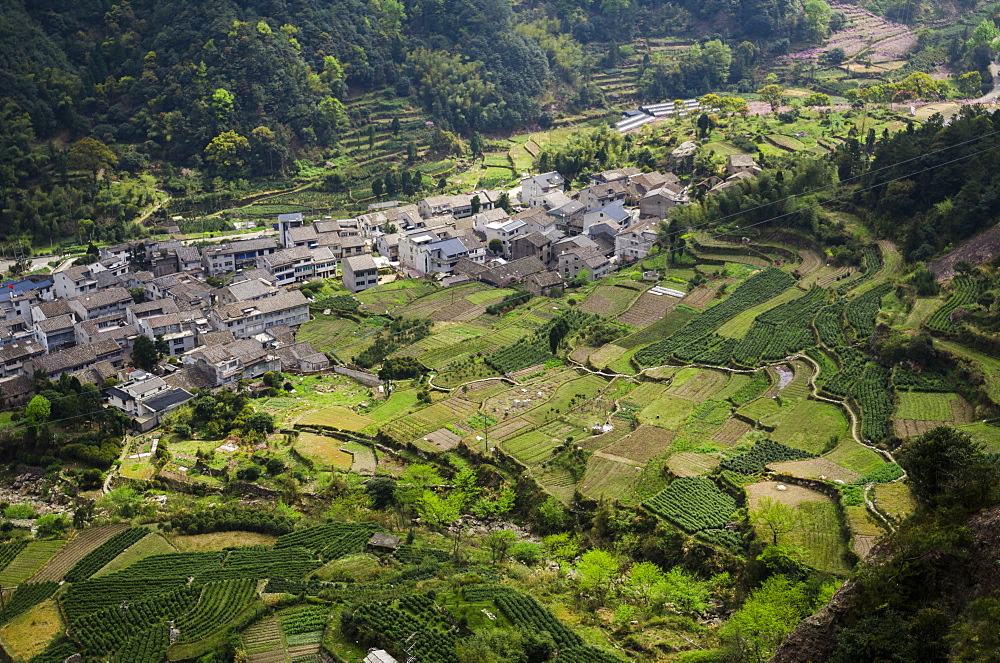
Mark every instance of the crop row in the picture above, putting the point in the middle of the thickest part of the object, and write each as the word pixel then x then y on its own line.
pixel 8 551
pixel 829 323
pixel 147 646
pixel 871 392
pixel 763 453
pixel 852 362
pixel 426 640
pixel 92 562
pixel 906 380
pixel 965 292
pixel 104 630
pixel 693 504
pixel 723 537
pixel 304 620
pixel 884 473
pixel 873 265
pixel 414 555
pixel 756 290
pixel 525 612
pixel 319 537
pixel 862 311
pixel 26 597
pixel 93 595
pixel 522 354
pixel 219 604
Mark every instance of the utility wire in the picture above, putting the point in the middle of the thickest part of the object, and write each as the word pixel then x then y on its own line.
pixel 838 183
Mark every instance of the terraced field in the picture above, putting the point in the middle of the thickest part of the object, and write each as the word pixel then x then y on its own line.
pixel 77 548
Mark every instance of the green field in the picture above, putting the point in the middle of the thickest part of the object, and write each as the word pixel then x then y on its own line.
pixel 809 425
pixel 924 406
pixel 739 325
pixel 667 412
pixel 852 456
pixel 990 366
pixel 29 561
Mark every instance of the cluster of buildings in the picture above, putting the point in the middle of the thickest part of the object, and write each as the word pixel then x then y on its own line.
pixel 229 312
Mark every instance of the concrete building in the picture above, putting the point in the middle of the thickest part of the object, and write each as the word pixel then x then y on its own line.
pixel 240 254
pixel 74 281
pixel 360 273
pixel 244 319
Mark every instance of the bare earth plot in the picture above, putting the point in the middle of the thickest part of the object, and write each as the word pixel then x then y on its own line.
pixel 703 295
pixel 731 432
pixel 811 261
pixel 815 468
pixel 609 478
pixel 443 439
pixel 648 309
pixel 697 387
pixel 864 530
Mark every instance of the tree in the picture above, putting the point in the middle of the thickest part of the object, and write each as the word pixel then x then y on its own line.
pixel 772 94
pixel 124 502
pixel 773 516
pixel 92 155
pixel 817 15
pixel 503 202
pixel 370 133
pixel 377 187
pixel 476 144
pixel 38 411
pixel 498 543
pixel 394 127
pixel 817 99
pixel 496 246
pixel 596 569
pixel 411 152
pixel 144 354
pixel 946 468
pixel 50 525
pixel 262 422
pixel 382 491
pixel 226 153
pixel 963 267
pixel 222 103
pixel 772 611
pixel 476 204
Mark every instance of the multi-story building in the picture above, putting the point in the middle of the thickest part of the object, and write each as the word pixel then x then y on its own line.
pixel 244 319
pixel 232 256
pixel 74 281
pixel 360 273
pixel 112 301
pixel 636 241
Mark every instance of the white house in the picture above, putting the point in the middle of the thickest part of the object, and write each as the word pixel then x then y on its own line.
pixel 539 185
pixel 636 241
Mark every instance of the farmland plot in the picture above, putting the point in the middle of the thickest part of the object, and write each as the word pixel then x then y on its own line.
pixel 337 416
pixel 647 309
pixel 608 478
pixel 324 451
pixel 817 531
pixel 918 412
pixel 864 529
pixel 78 547
pixel 809 424
pixel 731 432
pixel 642 444
pixel 612 300
pixel 815 468
pixel 696 384
pixel 29 561
pixel 852 456
pixel 689 464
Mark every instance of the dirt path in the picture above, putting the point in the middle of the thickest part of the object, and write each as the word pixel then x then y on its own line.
pixel 618 459
pixel 993 94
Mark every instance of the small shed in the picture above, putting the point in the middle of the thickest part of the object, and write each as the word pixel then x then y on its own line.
pixel 383 542
pixel 379 656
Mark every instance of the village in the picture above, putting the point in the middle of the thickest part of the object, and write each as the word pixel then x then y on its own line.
pixel 227 313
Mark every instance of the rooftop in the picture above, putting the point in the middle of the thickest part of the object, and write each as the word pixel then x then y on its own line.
pixel 359 263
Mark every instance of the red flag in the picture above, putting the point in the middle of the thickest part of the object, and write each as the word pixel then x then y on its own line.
pixel 11 286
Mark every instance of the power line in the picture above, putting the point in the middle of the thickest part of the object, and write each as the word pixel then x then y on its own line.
pixel 836 184
pixel 868 188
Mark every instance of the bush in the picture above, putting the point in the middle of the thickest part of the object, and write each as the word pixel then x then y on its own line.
pixel 19 512
pixel 526 552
